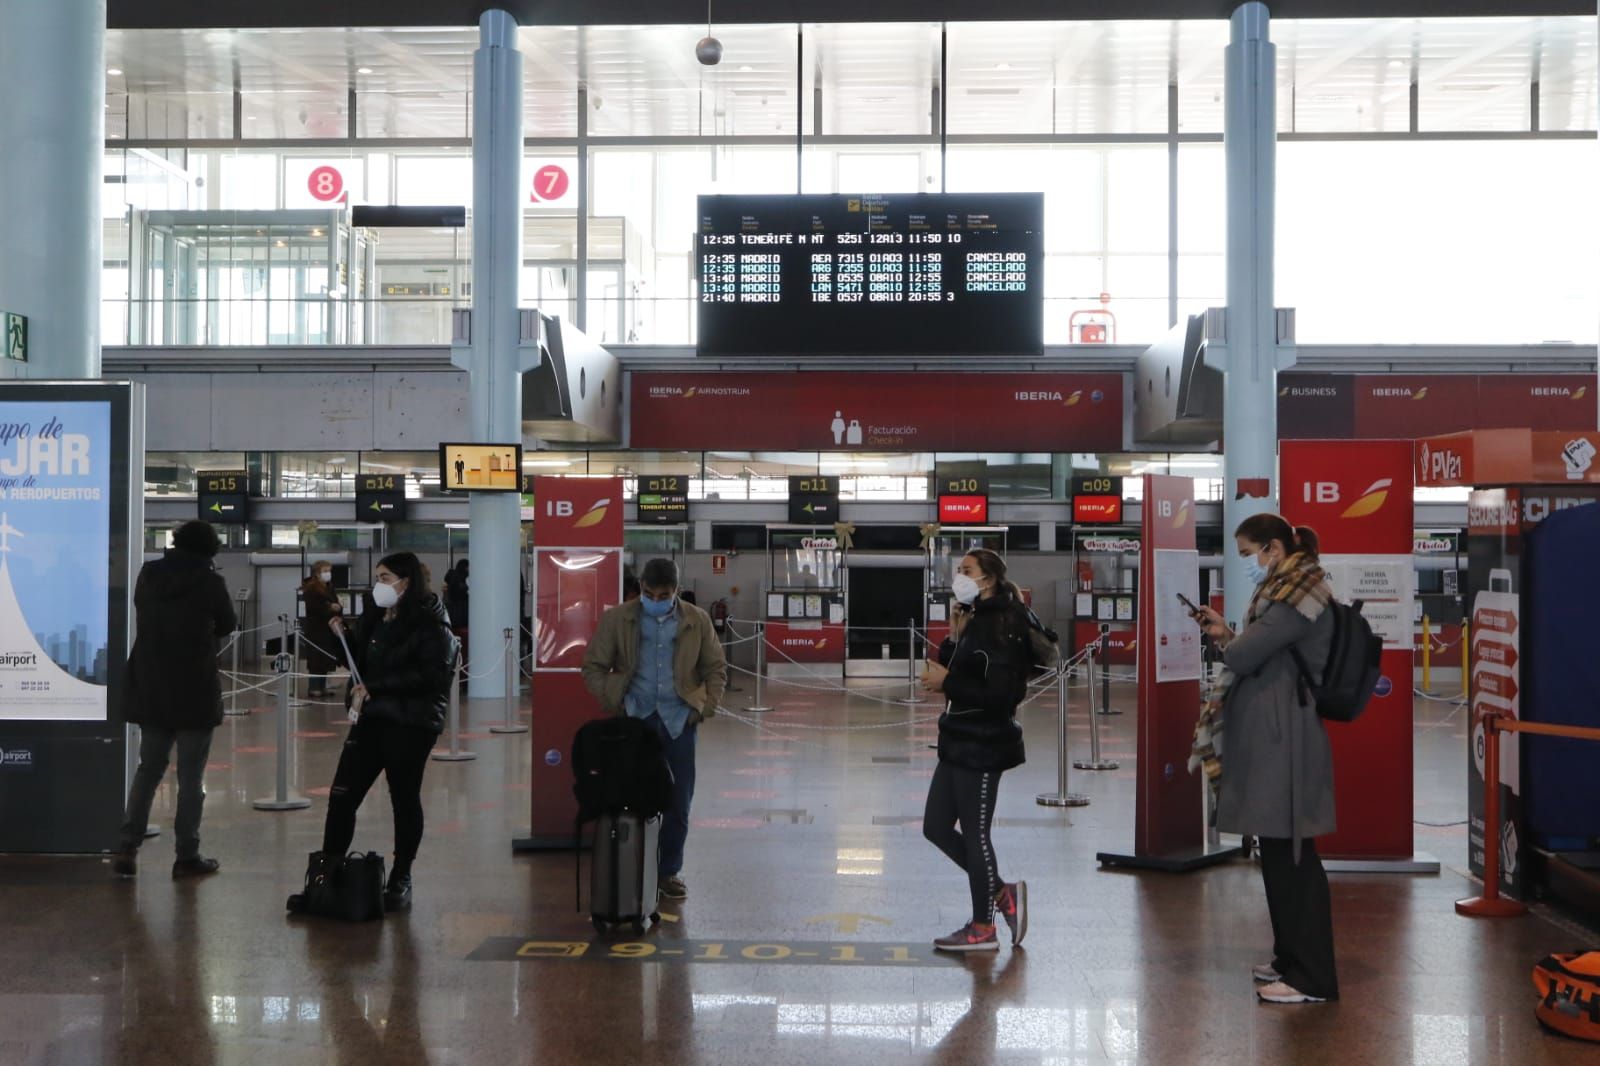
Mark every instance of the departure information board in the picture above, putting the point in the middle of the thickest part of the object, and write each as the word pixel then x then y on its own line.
pixel 663 499
pixel 224 496
pixel 929 272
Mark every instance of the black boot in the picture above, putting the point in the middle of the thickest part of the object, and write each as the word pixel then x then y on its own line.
pixel 397 895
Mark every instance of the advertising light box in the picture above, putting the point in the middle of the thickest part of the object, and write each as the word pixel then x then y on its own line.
pixel 480 467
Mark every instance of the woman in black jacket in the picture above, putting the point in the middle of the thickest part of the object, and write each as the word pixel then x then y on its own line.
pixel 403 652
pixel 983 671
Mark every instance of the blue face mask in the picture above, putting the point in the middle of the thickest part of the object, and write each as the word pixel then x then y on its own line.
pixel 1254 570
pixel 656 608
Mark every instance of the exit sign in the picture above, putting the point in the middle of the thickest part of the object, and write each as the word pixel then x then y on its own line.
pixel 16 333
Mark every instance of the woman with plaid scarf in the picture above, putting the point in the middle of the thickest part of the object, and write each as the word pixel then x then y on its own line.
pixel 1272 770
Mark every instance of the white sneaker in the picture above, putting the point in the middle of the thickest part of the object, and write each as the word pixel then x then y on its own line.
pixel 1265 973
pixel 1279 992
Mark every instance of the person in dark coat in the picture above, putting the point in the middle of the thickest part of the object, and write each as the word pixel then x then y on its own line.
pixel 404 654
pixel 983 672
pixel 318 646
pixel 455 594
pixel 173 689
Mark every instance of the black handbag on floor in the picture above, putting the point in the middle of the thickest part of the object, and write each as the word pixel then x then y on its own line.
pixel 348 887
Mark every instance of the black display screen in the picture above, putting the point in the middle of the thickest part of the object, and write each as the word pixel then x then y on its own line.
pixel 663 499
pixel 929 272
pixel 814 500
pixel 224 497
pixel 380 498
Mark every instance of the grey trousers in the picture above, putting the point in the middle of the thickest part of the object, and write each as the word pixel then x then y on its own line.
pixel 155 744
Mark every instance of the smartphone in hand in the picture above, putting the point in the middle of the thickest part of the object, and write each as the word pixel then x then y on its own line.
pixel 1194 612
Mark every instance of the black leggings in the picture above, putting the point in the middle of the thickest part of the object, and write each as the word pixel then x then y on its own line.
pixel 965 798
pixel 399 752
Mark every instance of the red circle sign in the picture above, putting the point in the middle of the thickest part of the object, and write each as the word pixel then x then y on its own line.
pixel 326 184
pixel 550 183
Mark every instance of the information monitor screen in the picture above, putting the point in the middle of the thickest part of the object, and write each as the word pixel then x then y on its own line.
pixel 842 274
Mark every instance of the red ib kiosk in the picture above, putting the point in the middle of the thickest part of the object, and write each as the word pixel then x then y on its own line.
pixel 577 575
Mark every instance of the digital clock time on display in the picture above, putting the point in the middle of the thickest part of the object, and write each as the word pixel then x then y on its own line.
pixel 928 272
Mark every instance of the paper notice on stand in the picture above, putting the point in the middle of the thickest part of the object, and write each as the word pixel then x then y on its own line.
pixel 1177 635
pixel 1384 585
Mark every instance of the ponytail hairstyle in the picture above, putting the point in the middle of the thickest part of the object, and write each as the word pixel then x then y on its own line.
pixel 1265 528
pixel 995 567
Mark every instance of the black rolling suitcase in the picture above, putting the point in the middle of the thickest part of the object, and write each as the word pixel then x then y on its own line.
pixel 622 871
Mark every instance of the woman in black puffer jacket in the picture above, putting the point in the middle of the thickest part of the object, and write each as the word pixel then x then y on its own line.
pixel 404 653
pixel 983 671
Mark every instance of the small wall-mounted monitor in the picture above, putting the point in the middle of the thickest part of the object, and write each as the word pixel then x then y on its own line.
pixel 480 467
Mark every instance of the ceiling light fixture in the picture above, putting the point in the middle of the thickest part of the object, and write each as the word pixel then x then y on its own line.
pixel 363 70
pixel 115 72
pixel 1002 65
pixel 708 50
pixel 746 69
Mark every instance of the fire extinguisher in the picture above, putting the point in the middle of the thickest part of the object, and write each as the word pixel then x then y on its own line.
pixel 1085 576
pixel 719 616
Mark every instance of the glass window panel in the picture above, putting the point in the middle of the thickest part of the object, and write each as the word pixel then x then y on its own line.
pixel 426 180
pixel 1434 242
pixel 249 182
pixel 870 79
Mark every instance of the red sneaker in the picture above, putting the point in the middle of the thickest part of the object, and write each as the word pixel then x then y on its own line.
pixel 969 937
pixel 1011 902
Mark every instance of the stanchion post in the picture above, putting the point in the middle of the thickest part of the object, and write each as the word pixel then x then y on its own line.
pixel 759 705
pixel 913 693
pixel 727 638
pixel 1427 656
pixel 284 665
pixel 1105 674
pixel 1061 797
pixel 512 724
pixel 1490 904
pixel 233 693
pixel 455 754
pixel 1095 762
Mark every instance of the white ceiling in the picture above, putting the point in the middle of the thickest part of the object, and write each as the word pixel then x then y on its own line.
pixel 874 79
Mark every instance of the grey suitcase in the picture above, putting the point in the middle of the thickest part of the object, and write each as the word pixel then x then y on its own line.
pixel 622 872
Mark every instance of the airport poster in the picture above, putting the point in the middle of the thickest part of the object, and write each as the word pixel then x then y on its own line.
pixel 55 540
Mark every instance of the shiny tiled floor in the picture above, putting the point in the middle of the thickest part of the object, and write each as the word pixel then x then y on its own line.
pixel 793 825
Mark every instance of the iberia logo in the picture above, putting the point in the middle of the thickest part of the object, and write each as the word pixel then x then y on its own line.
pixel 1072 400
pixel 1371 501
pixel 688 392
pixel 823 643
pixel 1420 394
pixel 594 515
pixel 1181 518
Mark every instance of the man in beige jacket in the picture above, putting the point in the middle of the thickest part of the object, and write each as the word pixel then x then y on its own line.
pixel 658 659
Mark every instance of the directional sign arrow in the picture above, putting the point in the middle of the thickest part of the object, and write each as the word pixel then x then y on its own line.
pixel 376 506
pixel 1497 685
pixel 217 507
pixel 847 923
pixel 1496 653
pixel 1491 620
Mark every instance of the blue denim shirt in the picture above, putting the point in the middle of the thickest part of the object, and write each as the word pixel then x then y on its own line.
pixel 652 690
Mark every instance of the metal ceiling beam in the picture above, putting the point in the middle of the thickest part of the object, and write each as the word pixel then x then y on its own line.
pixel 175 14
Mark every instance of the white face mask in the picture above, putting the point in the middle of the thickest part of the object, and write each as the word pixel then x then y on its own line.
pixel 965 588
pixel 325 576
pixel 385 596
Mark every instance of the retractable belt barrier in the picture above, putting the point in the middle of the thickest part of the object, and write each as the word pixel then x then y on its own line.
pixel 1491 904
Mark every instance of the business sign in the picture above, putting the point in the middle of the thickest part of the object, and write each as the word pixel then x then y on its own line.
pixel 1379 406
pixel 480 467
pixel 663 499
pixel 1117 545
pixel 550 181
pixel 311 182
pixel 880 411
pixel 380 498
pixel 224 497
pixel 804 642
pixel 16 335
pixel 1357 495
pixel 55 540
pixel 813 500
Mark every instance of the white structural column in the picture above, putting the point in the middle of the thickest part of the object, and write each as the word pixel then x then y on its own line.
pixel 494 375
pixel 1250 415
pixel 52 149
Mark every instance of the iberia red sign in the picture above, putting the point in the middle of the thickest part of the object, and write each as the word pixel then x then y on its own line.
pixel 804 643
pixel 853 411
pixel 956 510
pixel 1355 494
pixel 577 512
pixel 1096 510
pixel 1376 406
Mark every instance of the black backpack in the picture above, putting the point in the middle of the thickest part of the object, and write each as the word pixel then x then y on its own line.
pixel 1350 676
pixel 619 765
